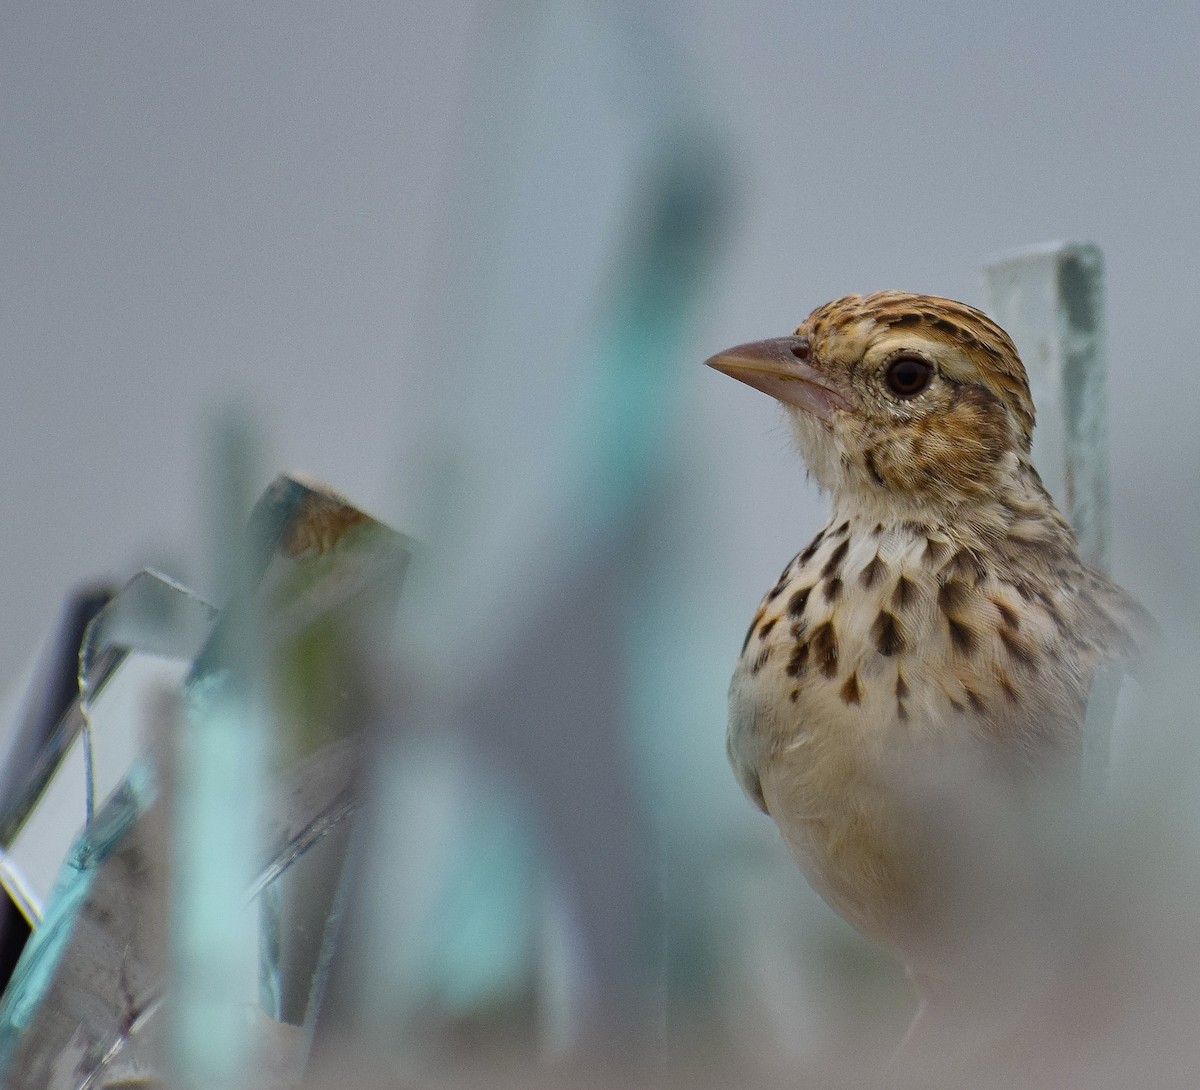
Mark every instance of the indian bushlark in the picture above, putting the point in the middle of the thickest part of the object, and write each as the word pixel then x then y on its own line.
pixel 924 663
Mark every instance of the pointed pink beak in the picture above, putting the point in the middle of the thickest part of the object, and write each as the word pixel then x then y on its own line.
pixel 780 367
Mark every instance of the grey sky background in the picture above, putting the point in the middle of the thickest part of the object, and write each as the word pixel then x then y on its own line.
pixel 201 203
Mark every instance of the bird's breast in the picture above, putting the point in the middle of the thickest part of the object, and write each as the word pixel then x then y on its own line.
pixel 881 650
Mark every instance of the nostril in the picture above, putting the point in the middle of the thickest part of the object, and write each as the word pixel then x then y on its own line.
pixel 800 350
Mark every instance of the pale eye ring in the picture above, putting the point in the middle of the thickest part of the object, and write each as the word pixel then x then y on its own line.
pixel 907 375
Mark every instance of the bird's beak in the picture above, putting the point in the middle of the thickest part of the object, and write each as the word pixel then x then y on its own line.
pixel 780 367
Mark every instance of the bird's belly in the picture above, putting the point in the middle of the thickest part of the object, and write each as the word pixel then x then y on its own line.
pixel 838 781
pixel 844 823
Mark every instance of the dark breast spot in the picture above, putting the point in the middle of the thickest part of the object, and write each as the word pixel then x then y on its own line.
pixel 825 648
pixel 935 550
pixel 765 630
pixel 1052 612
pixel 975 700
pixel 962 636
pixel 810 550
pixel 761 660
pixel 781 584
pixel 1008 615
pixel 835 560
pixel 951 595
pixel 901 695
pixel 905 593
pixel 1018 651
pixel 851 693
pixel 873 572
pixel 966 565
pixel 833 589
pixel 798 660
pixel 889 640
pixel 798 601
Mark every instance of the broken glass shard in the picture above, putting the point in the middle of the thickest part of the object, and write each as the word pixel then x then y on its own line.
pixel 85 1005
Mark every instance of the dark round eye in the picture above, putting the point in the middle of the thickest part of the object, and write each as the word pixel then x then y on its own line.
pixel 907 376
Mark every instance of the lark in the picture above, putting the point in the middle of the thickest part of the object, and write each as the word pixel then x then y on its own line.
pixel 922 667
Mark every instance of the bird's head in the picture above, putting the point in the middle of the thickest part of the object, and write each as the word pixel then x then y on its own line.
pixel 903 402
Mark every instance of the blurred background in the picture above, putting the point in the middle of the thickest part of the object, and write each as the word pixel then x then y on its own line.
pixel 411 245
pixel 222 201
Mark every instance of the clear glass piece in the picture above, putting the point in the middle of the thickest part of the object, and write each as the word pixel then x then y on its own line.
pixel 258 841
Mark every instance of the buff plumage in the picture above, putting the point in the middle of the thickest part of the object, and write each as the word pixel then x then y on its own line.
pixel 940 629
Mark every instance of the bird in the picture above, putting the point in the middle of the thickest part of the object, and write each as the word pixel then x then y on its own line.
pixel 916 679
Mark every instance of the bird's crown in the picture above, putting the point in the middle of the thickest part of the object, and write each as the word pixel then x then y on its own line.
pixel 886 322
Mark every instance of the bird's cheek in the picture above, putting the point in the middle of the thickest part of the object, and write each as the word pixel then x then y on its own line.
pixel 952 466
pixel 905 461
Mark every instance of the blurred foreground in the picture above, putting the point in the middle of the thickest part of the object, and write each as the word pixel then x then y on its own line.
pixel 304 863
pixel 383 815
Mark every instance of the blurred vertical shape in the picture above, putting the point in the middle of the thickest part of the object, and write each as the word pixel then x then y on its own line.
pixel 1050 300
pixel 137 643
pixel 233 453
pixel 515 642
pixel 220 763
pixel 296 647
pixel 216 834
pixel 621 457
pixel 89 978
pixel 55 688
pixel 329 598
pixel 83 994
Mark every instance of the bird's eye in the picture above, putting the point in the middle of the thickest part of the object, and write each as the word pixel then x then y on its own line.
pixel 907 376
